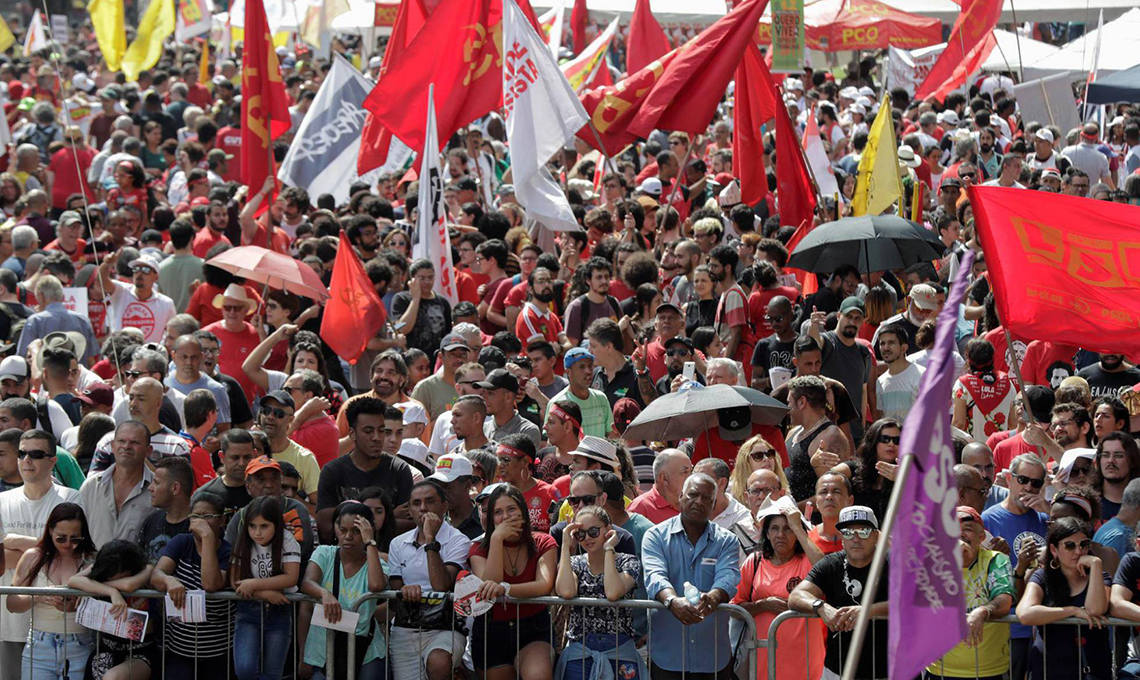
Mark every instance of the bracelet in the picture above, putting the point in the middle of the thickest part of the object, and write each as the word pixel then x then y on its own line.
pixel 611 550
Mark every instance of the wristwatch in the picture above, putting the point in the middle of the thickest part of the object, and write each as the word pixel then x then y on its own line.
pixel 816 605
pixel 506 588
pixel 372 543
pixel 434 546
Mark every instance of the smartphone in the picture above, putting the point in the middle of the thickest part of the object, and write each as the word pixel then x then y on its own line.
pixel 690 370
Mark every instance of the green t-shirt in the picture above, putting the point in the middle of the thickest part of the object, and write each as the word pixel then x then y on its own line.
pixel 67 470
pixel 351 589
pixel 597 416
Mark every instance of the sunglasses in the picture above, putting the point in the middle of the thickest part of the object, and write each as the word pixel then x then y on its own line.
pixel 67 540
pixel 774 319
pixel 209 516
pixel 888 439
pixel 862 532
pixel 679 353
pixel 469 382
pixel 592 532
pixel 133 374
pixel 761 455
pixel 1073 545
pixel 275 412
pixel 233 308
pixel 35 454
pixel 967 175
pixel 1031 481
pixel 575 501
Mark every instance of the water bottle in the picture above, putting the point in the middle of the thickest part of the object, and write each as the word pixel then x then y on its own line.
pixel 692 594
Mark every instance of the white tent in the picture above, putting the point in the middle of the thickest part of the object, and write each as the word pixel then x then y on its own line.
pixel 1085 11
pixel 360 17
pixel 1005 55
pixel 697 12
pixel 1120 49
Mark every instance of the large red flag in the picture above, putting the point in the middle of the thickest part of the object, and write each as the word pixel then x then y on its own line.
pixel 612 107
pixel 795 196
pixel 354 313
pixel 687 93
pixel 1064 269
pixel 579 18
pixel 967 40
pixel 756 103
pixel 647 42
pixel 264 105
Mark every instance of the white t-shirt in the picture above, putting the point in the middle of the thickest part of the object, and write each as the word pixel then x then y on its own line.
pixel 896 393
pixel 18 515
pixel 261 558
pixel 149 316
pixel 443 439
pixel 410 563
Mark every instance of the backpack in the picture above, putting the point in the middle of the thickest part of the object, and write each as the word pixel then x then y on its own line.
pixel 583 301
pixel 42 413
pixel 15 324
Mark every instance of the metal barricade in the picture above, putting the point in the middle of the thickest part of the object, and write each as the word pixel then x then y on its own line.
pixel 1118 625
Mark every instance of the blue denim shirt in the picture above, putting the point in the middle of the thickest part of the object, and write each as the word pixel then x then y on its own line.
pixel 669 559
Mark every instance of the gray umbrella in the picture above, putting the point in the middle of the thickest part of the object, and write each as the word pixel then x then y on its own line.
pixel 693 409
pixel 870 243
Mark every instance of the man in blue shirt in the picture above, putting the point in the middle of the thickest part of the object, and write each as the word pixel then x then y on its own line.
pixel 688 548
pixel 1117 533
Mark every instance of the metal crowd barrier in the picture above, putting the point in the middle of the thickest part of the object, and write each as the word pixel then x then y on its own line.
pixel 1113 624
pixel 747 647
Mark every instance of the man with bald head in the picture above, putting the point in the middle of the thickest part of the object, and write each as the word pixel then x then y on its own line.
pixel 671 468
pixel 778 349
pixel 979 457
pixel 727 511
pixel 187 376
pixel 971 487
pixel 144 399
pixel 833 492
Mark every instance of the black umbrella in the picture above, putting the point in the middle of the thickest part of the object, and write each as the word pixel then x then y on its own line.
pixel 869 243
pixel 693 409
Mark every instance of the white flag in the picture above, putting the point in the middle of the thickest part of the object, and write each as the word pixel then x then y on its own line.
pixel 554 38
pixel 817 158
pixel 36 39
pixel 192 19
pixel 431 238
pixel 542 113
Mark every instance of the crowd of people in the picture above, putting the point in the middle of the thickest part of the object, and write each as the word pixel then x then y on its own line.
pixel 167 425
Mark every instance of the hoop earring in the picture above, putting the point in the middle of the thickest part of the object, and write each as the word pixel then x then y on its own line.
pixel 1054 564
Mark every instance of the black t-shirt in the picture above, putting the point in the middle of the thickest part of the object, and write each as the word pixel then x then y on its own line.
pixel 239 405
pixel 824 300
pixel 528 408
pixel 771 353
pixel 1072 646
pixel 1128 575
pixel 155 532
pixel 341 480
pixel 624 384
pixel 432 322
pixel 234 497
pixel 1106 384
pixel 842 586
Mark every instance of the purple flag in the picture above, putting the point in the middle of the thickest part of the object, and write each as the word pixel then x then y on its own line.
pixel 927 606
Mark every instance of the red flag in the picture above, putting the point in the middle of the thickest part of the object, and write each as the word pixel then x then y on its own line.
pixel 1063 268
pixel 579 17
pixel 687 93
pixel 264 104
pixel 647 42
pixel 755 105
pixel 354 314
pixel 963 48
pixel 611 108
pixel 795 195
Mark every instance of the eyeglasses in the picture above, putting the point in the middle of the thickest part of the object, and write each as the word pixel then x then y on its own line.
pixel 211 350
pixel 592 532
pixel 774 319
pixel 210 516
pixel 275 412
pixel 67 540
pixel 862 532
pixel 1073 545
pixel 888 439
pixel 761 455
pixel 575 501
pixel 1031 481
pixel 469 382
pixel 679 353
pixel 760 491
pixel 233 308
pixel 35 454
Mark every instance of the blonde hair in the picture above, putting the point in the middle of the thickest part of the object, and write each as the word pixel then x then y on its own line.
pixel 738 481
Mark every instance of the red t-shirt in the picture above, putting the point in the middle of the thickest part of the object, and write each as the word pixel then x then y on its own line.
pixel 201 463
pixel 825 546
pixel 499 299
pixel 320 436
pixel 619 290
pixel 516 296
pixel 711 441
pixel 758 307
pixel 543 543
pixel 1009 449
pixel 531 326
pixel 75 255
pixel 229 140
pixel 489 292
pixel 1045 361
pixel 67 182
pixel 466 286
pixel 280 239
pixel 538 502
pixel 653 506
pixel 205 239
pixel 199 95
pixel 235 348
pixel 117 198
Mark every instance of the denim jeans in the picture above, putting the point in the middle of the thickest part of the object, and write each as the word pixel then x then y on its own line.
pixel 583 666
pixel 252 661
pixel 54 656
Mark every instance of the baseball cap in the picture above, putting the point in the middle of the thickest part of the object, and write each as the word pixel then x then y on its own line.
pixel 488 491
pixel 505 190
pixel 413 413
pixel 1044 134
pixel 948 117
pixel 724 178
pixel 857 108
pixel 651 185
pixel 144 261
pixel 924 296
pixel 793 84
pixel 110 92
pixel 849 92
pixel 647 203
pixel 500 379
pixel 1041 400
pixel 596 448
pixel 1051 172
pixel 375 62
pixel 669 306
pixel 968 514
pixel 452 341
pixel 98 394
pixel 218 153
pixel 866 91
pixel 584 187
pixel 951 182
pixel 69 217
pixel 261 463
pixel 16 368
pixel 856 514
pixel 575 355
pixel 280 396
pixel 678 339
pixel 452 467
pixel 850 303
pixel 416 451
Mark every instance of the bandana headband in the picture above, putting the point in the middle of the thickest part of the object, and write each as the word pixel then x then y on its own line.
pixel 565 415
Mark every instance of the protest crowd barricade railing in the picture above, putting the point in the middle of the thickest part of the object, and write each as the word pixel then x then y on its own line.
pixel 743 650
pixel 1118 626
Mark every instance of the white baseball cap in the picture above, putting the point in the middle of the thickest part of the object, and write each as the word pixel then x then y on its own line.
pixel 948 117
pixel 452 467
pixel 651 186
pixel 14 368
pixel 1044 134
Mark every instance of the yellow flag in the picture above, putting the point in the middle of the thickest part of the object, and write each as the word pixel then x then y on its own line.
pixel 156 26
pixel 204 64
pixel 6 37
pixel 107 18
pixel 878 184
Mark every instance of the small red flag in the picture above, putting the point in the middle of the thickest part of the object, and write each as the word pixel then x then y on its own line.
pixel 970 37
pixel 647 42
pixel 687 93
pixel 264 105
pixel 795 196
pixel 1063 267
pixel 755 105
pixel 579 17
pixel 354 314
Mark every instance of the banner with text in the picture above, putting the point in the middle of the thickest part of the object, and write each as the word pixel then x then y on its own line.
pixel 787 36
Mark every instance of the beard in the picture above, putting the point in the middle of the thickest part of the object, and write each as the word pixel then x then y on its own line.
pixel 545 296
pixel 1111 362
pixel 986 148
pixel 850 331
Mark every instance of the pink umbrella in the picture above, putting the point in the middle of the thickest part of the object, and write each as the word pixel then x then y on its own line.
pixel 273 269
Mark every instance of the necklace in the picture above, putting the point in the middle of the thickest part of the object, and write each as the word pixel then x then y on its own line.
pixel 808 430
pixel 513 561
pixel 853 588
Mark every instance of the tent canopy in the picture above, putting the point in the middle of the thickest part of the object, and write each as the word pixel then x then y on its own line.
pixel 836 25
pixel 1084 11
pixel 1122 86
pixel 1005 55
pixel 1120 49
pixel 693 12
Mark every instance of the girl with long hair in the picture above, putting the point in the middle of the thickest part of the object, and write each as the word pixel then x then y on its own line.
pixel 513 560
pixel 701 310
pixel 755 454
pixel 64 549
pixel 266 565
pixel 131 190
pixel 876 462
pixel 983 397
pixel 1072 583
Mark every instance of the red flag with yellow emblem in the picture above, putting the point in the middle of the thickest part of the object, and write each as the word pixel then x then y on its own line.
pixel 264 104
pixel 354 314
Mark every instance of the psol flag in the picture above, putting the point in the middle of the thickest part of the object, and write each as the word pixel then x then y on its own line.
pixel 431 239
pixel 542 113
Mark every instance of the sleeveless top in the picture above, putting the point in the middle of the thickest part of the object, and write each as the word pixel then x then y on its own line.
pixel 47 618
pixel 801 475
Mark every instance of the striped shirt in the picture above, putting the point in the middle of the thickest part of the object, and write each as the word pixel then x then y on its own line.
pixel 163 443
pixel 211 638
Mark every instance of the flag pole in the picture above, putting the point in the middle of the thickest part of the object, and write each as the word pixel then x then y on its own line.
pixel 602 146
pixel 1017 37
pixel 680 173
